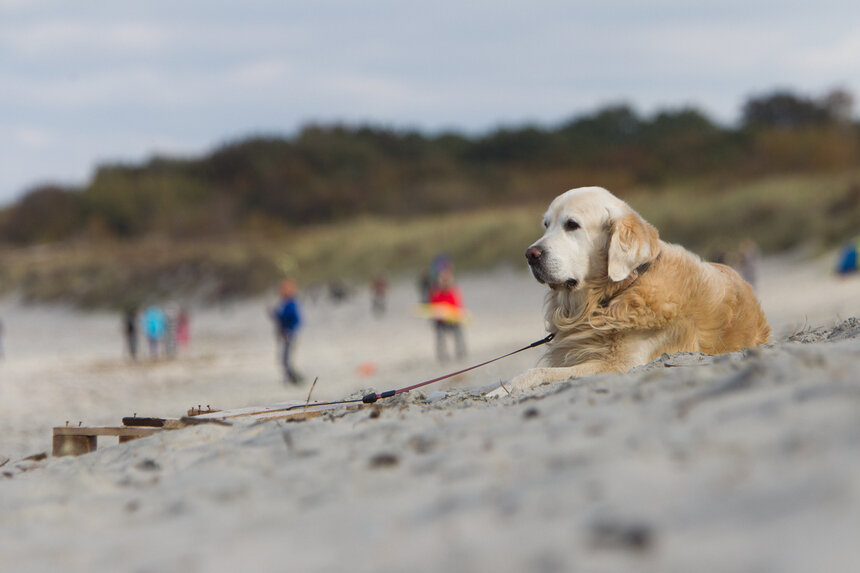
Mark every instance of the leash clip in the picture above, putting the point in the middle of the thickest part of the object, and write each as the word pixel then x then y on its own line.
pixel 548 338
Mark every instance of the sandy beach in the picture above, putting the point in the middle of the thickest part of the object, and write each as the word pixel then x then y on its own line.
pixel 742 462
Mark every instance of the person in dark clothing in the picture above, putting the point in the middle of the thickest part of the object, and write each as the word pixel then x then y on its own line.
pixel 130 329
pixel 288 321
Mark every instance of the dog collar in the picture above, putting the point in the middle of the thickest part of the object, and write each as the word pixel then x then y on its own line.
pixel 631 278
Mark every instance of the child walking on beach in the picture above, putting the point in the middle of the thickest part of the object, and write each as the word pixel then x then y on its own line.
pixel 288 320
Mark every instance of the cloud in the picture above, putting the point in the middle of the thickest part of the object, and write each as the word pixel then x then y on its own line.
pixel 124 87
pixel 32 137
pixel 90 78
pixel 60 38
pixel 836 54
pixel 265 72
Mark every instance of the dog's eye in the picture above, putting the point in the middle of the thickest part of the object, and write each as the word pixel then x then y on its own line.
pixel 571 225
pixel 546 224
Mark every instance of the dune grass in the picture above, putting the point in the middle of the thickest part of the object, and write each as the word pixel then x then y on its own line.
pixel 474 240
pixel 707 217
pixel 779 213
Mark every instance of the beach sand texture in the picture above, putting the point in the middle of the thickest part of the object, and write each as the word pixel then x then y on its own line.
pixel 742 462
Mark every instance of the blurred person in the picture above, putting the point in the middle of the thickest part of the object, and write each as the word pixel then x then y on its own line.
pixel 155 327
pixel 288 320
pixel 748 260
pixel 129 328
pixel 337 291
pixel 183 328
pixel 170 333
pixel 446 303
pixel 847 262
pixel 378 292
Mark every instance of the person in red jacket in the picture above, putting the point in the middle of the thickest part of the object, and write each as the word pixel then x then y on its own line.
pixel 446 301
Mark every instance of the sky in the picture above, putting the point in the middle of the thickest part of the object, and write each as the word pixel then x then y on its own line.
pixel 84 83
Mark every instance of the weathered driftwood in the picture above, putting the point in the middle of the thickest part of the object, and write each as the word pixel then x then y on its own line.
pixel 74 441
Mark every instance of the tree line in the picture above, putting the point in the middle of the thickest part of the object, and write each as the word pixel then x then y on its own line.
pixel 327 173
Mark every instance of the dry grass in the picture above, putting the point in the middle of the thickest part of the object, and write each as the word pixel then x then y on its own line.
pixel 779 213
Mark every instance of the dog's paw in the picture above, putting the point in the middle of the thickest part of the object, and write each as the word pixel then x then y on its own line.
pixel 499 392
pixel 528 379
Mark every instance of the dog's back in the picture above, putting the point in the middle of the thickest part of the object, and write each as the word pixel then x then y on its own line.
pixel 704 307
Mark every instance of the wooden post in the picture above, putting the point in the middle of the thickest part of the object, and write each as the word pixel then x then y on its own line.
pixel 73 445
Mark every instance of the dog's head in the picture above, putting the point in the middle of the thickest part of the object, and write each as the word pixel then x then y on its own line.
pixel 590 234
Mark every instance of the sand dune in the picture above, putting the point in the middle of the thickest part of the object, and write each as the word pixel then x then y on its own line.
pixel 743 462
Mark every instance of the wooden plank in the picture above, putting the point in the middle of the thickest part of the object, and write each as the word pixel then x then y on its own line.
pixel 199 410
pixel 83 439
pixel 75 441
pixel 105 431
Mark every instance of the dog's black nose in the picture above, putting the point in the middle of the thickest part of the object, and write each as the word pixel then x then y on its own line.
pixel 533 254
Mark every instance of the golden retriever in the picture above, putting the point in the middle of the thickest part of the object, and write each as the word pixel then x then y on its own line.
pixel 620 297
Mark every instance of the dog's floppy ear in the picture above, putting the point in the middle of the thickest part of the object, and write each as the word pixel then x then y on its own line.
pixel 633 242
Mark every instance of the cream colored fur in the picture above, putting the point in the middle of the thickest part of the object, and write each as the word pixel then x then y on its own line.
pixel 606 317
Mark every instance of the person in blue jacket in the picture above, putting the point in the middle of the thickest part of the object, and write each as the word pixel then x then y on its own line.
pixel 154 325
pixel 288 320
pixel 847 262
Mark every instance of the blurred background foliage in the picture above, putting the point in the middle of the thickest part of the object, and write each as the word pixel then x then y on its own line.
pixel 370 198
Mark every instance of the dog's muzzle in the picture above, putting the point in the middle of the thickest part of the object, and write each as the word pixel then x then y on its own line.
pixel 535 255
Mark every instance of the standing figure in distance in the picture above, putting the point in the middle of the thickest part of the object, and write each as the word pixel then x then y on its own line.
pixel 155 327
pixel 130 330
pixel 378 288
pixel 183 328
pixel 446 303
pixel 288 320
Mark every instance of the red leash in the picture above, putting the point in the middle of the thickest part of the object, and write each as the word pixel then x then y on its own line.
pixel 373 396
